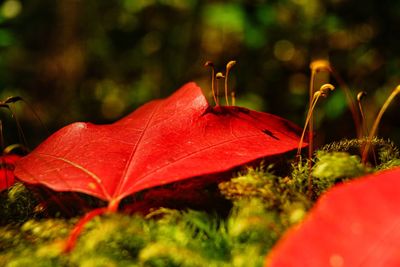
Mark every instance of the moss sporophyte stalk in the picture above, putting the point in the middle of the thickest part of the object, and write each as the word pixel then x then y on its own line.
pixel 215 82
pixel 374 129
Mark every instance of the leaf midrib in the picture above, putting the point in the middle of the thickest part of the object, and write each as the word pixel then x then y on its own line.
pixel 124 174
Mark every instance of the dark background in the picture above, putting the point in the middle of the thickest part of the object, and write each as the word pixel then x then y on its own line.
pixel 99 60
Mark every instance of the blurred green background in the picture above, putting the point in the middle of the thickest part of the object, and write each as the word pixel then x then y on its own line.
pixel 99 60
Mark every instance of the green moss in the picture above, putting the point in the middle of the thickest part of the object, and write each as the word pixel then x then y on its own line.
pixel 384 150
pixel 337 166
pixel 170 254
pixel 333 167
pixel 34 243
pixel 17 204
pixel 115 238
pixel 261 183
pixel 389 164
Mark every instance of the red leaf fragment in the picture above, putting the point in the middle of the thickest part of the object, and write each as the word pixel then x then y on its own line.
pixel 7 178
pixel 162 142
pixel 353 224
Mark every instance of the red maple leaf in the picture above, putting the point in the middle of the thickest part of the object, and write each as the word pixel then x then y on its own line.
pixel 7 178
pixel 353 224
pixel 162 142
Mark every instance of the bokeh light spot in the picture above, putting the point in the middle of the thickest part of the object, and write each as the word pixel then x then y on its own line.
pixel 284 50
pixel 229 17
pixel 113 105
pixel 11 8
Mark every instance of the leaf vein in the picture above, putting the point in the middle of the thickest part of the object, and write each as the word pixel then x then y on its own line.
pixel 91 175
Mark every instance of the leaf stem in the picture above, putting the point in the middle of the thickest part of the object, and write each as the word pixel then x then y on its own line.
pixel 76 231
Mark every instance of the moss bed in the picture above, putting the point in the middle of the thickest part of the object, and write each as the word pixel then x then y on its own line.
pixel 256 206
